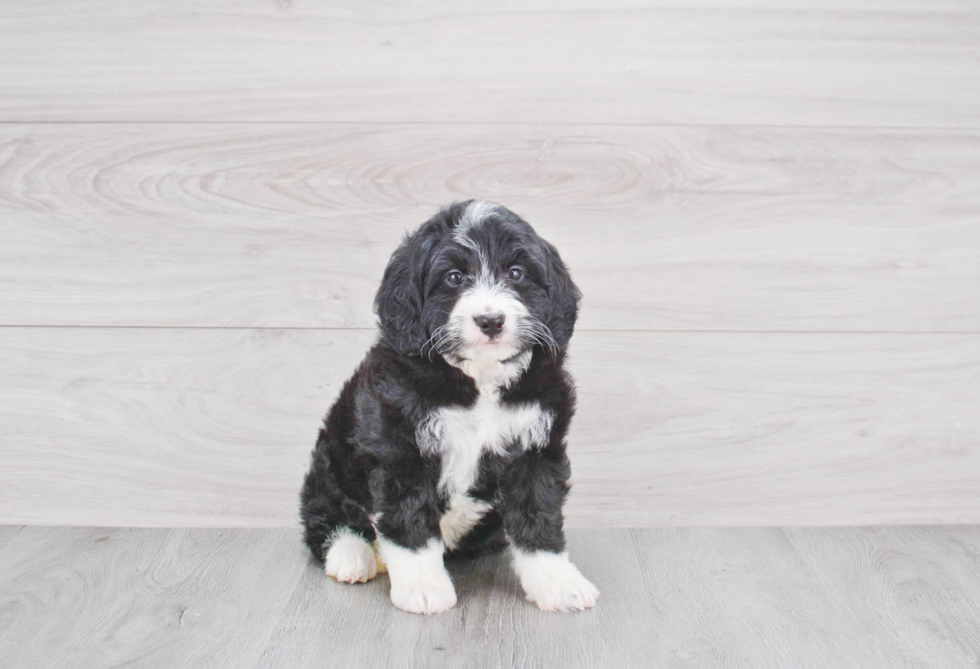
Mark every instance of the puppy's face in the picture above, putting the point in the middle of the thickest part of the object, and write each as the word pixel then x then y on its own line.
pixel 486 290
pixel 476 283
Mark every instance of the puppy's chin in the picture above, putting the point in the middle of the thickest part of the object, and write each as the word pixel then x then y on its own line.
pixel 491 364
pixel 485 350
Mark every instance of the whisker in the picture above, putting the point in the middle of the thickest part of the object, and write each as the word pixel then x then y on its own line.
pixel 427 341
pixel 446 335
pixel 541 334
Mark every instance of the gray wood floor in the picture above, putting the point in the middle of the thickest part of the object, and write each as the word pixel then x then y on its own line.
pixel 684 597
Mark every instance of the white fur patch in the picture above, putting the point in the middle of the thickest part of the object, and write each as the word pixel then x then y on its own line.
pixel 490 374
pixel 475 213
pixel 552 582
pixel 463 435
pixel 419 580
pixel 350 558
pixel 463 515
pixel 487 296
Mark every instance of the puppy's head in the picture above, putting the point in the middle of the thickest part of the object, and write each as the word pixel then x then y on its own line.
pixel 475 282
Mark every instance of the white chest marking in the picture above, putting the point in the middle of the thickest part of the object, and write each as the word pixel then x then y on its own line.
pixel 462 515
pixel 462 435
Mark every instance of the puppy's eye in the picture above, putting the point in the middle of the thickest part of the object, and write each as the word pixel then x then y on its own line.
pixel 515 274
pixel 454 278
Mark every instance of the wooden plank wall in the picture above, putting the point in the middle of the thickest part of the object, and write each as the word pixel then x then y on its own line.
pixel 773 210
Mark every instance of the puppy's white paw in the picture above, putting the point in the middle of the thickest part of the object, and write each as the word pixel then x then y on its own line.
pixel 419 580
pixel 552 582
pixel 423 592
pixel 350 558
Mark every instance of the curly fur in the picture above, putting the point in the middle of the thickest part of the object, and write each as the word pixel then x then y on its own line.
pixel 445 422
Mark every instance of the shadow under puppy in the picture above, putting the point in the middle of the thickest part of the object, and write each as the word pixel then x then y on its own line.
pixel 450 436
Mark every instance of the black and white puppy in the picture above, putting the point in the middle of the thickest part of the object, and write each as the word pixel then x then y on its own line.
pixel 450 436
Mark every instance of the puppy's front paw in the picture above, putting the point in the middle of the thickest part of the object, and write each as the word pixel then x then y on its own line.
pixel 563 592
pixel 423 592
pixel 351 559
pixel 554 583
pixel 419 580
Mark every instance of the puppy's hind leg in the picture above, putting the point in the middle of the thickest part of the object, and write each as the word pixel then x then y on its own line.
pixel 338 531
pixel 344 546
pixel 350 558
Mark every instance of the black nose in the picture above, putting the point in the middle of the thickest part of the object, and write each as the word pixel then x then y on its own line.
pixel 490 324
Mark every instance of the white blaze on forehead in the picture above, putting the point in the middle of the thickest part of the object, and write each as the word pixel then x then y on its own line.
pixel 476 212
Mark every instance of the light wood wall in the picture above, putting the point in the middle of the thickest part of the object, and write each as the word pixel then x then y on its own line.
pixel 773 210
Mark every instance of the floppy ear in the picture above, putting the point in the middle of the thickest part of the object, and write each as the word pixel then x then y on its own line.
pixel 563 296
pixel 400 299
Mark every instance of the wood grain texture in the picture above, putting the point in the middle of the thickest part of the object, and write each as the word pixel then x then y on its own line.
pixel 700 228
pixel 869 64
pixel 214 427
pixel 909 593
pixel 491 626
pixel 805 175
pixel 97 597
pixel 7 531
pixel 691 597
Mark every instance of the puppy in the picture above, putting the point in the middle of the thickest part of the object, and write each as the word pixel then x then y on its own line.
pixel 449 439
